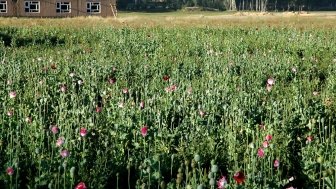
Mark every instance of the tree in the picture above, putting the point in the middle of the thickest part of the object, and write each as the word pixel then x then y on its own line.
pixel 230 5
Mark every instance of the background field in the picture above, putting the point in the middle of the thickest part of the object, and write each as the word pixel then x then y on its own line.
pixel 174 100
pixel 189 19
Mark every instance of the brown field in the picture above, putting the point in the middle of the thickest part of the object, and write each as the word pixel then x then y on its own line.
pixel 311 20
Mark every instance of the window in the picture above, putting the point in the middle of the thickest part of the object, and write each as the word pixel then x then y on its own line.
pixel 93 7
pixel 3 6
pixel 63 7
pixel 32 6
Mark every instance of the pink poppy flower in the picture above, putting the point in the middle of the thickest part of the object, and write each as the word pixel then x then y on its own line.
pixel 309 138
pixel 81 185
pixel 54 129
pixel 239 177
pixel 60 141
pixel 201 113
pixel 10 171
pixel 221 182
pixel 83 132
pixel 142 104
pixel 65 153
pixel 112 80
pixel 99 109
pixel 144 131
pixel 12 94
pixel 171 88
pixel 265 144
pixel 63 88
pixel 268 137
pixel 10 113
pixel 270 81
pixel 276 163
pixel 261 152
pixel 125 90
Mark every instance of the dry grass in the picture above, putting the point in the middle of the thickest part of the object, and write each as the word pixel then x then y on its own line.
pixel 184 19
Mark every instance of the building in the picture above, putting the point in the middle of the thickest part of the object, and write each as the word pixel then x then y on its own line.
pixel 57 8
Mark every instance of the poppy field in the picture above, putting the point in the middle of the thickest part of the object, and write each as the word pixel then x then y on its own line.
pixel 167 108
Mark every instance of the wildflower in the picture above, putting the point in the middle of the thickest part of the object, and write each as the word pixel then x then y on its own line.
pixel 268 137
pixel 112 80
pixel 60 141
pixel 63 88
pixel 54 129
pixel 12 94
pixel 9 82
pixel 28 119
pixel 276 163
pixel 10 113
pixel 293 70
pixel 270 81
pixel 239 177
pixel 99 109
pixel 166 78
pixel 171 88
pixel 81 185
pixel 64 153
pixel 309 138
pixel 142 104
pixel 221 182
pixel 125 90
pixel 83 132
pixel 315 93
pixel 80 82
pixel 72 74
pixel 144 131
pixel 201 113
pixel 261 152
pixel 265 144
pixel 10 171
